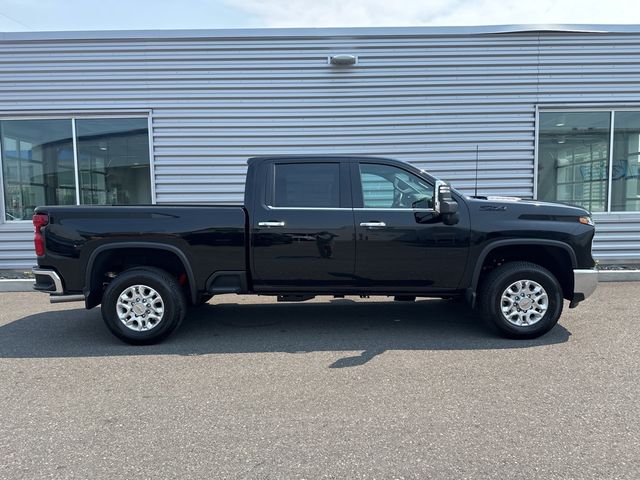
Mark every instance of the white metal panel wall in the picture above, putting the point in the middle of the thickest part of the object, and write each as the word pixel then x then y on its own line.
pixel 602 70
pixel 16 246
pixel 617 238
pixel 425 98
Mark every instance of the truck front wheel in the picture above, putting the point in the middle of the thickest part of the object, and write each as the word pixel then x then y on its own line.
pixel 521 299
pixel 143 305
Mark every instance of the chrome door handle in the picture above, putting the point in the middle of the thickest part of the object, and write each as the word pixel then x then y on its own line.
pixel 271 224
pixel 373 224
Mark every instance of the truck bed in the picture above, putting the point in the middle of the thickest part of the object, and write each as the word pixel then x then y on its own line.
pixel 212 238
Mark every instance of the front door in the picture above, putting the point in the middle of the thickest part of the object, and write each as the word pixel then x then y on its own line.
pixel 401 243
pixel 302 232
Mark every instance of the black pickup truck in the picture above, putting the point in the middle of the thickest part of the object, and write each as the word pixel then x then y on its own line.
pixel 320 226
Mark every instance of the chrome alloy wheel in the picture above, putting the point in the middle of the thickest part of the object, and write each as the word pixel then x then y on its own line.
pixel 524 303
pixel 140 308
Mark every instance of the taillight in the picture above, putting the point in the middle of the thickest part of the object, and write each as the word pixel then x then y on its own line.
pixel 39 221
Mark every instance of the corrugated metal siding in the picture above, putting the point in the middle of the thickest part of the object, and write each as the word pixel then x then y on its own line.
pixel 601 70
pixel 16 246
pixel 617 238
pixel 427 99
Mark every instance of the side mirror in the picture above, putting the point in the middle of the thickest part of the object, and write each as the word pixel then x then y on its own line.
pixel 445 205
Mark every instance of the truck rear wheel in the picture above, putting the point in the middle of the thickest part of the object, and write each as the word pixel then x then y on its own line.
pixel 143 305
pixel 521 299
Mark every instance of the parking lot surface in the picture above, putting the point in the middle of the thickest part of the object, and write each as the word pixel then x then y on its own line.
pixel 334 388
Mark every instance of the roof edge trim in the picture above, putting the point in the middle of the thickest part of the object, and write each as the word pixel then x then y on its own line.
pixel 315 32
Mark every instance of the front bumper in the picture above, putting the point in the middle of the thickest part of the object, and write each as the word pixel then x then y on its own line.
pixel 585 282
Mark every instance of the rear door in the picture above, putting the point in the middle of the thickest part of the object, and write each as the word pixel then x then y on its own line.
pixel 302 228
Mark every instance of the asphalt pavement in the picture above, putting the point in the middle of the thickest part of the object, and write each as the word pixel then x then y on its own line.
pixel 334 388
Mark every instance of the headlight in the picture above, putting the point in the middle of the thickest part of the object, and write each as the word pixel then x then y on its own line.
pixel 586 221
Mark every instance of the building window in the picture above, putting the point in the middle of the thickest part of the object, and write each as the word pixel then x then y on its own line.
pixel 113 159
pixel 38 163
pixel 625 184
pixel 573 159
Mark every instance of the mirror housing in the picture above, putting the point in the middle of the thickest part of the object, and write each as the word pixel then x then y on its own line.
pixel 445 205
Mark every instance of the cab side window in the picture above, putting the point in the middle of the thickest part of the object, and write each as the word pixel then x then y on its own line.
pixel 384 186
pixel 311 185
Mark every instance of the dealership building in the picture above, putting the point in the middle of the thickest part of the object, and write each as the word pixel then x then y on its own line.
pixel 129 117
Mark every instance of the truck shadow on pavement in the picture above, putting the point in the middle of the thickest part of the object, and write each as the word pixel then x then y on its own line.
pixel 337 325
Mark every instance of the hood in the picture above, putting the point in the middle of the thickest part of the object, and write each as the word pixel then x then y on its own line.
pixel 533 207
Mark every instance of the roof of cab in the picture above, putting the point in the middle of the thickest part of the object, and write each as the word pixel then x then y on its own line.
pixel 315 158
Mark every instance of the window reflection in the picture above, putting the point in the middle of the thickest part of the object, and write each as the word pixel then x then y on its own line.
pixel 625 185
pixel 113 161
pixel 573 158
pixel 37 165
pixel 385 186
pixel 307 185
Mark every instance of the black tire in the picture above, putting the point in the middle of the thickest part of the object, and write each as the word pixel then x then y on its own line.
pixel 170 293
pixel 497 282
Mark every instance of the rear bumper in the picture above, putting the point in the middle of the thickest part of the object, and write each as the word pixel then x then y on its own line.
pixel 47 281
pixel 585 282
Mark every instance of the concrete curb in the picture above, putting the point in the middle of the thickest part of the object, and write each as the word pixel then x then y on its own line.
pixel 26 284
pixel 619 276
pixel 16 285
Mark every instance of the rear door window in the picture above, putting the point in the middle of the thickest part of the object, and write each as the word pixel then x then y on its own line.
pixel 312 185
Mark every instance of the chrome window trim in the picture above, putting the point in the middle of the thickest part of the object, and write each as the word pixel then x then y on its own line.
pixel 269 207
pixel 76 169
pixel 536 147
pixel 382 209
pixel 152 157
pixel 612 119
pixel 359 209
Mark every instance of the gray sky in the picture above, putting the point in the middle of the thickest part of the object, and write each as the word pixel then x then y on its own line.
pixel 37 15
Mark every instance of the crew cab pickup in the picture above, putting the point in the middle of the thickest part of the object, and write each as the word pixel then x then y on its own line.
pixel 319 225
